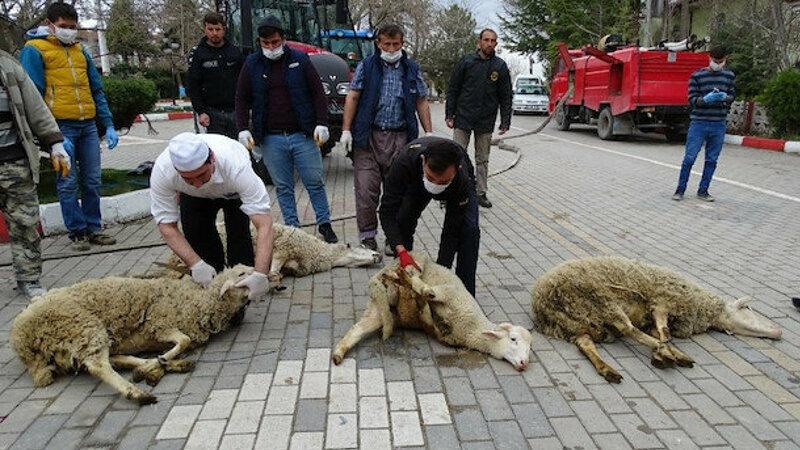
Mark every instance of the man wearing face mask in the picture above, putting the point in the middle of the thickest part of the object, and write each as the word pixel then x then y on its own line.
pixel 479 85
pixel 432 168
pixel 65 75
pixel 386 95
pixel 195 177
pixel 711 92
pixel 214 66
pixel 280 98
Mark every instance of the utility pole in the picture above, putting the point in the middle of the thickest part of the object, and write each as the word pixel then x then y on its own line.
pixel 105 65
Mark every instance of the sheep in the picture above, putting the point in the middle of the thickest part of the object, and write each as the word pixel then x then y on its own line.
pixel 435 301
pixel 600 298
pixel 95 324
pixel 298 253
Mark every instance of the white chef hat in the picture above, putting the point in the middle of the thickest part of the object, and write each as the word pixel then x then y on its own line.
pixel 188 151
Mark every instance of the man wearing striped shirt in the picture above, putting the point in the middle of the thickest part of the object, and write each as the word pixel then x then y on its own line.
pixel 711 92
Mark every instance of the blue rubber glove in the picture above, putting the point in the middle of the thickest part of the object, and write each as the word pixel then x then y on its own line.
pixel 713 97
pixel 69 146
pixel 111 138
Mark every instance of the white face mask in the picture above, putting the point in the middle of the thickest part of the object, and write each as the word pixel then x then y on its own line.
pixel 274 53
pixel 66 35
pixel 715 66
pixel 391 57
pixel 432 187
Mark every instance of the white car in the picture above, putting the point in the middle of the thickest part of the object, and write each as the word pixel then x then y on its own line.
pixel 530 99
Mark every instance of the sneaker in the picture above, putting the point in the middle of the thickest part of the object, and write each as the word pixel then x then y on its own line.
pixel 327 233
pixel 677 196
pixel 31 289
pixel 483 201
pixel 705 196
pixel 80 243
pixel 101 239
pixel 370 243
pixel 388 250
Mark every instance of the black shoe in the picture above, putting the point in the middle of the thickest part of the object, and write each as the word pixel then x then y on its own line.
pixel 796 302
pixel 705 196
pixel 100 239
pixel 327 233
pixel 483 201
pixel 370 243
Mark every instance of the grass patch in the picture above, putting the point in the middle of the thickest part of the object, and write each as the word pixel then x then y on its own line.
pixel 113 182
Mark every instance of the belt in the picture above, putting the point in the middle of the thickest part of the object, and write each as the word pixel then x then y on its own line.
pixel 282 131
pixel 395 129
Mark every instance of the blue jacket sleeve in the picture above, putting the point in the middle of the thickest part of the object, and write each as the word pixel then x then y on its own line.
pixel 32 62
pixel 96 84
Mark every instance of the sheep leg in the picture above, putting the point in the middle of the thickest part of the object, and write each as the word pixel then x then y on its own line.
pixel 132 362
pixel 154 369
pixel 661 330
pixel 586 346
pixel 99 366
pixel 664 355
pixel 369 323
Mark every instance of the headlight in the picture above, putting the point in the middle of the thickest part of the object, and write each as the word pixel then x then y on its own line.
pixel 326 88
pixel 343 88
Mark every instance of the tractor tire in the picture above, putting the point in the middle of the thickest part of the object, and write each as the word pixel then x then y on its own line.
pixel 562 118
pixel 605 125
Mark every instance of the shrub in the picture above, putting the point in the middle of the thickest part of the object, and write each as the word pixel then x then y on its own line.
pixel 781 97
pixel 127 98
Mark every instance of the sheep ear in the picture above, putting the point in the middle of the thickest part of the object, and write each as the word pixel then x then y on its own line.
pixel 493 334
pixel 226 287
pixel 506 326
pixel 741 303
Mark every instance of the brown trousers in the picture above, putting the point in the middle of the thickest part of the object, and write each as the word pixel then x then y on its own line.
pixel 370 167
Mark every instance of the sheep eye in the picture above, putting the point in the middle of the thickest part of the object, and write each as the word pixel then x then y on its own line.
pixel 513 339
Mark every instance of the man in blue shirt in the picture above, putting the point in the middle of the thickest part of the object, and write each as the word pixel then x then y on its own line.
pixel 380 117
pixel 711 92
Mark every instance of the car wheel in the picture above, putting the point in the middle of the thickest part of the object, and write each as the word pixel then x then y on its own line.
pixel 605 125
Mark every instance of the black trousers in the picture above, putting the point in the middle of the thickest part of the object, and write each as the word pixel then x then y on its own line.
pixel 198 216
pixel 468 230
pixel 222 122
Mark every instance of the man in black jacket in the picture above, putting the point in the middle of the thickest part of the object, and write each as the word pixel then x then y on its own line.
pixel 214 66
pixel 439 169
pixel 480 83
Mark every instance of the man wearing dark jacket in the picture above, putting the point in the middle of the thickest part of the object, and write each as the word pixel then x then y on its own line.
pixel 214 66
pixel 433 168
pixel 480 83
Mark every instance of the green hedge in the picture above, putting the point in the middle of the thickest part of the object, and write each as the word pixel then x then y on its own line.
pixel 781 97
pixel 129 97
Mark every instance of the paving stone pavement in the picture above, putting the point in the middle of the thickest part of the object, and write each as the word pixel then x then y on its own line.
pixel 268 383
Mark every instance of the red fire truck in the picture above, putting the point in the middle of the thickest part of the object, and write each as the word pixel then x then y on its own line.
pixel 624 90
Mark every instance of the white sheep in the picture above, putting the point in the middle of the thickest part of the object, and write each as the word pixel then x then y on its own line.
pixel 437 302
pixel 96 323
pixel 596 299
pixel 297 253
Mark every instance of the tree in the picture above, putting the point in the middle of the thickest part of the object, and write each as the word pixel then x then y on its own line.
pixel 126 33
pixel 451 37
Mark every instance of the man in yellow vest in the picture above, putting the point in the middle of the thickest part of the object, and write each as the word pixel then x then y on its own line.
pixel 65 75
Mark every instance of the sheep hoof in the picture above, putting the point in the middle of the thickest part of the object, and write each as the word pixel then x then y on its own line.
pixel 180 366
pixel 666 356
pixel 141 397
pixel 611 375
pixel 150 372
pixel 337 358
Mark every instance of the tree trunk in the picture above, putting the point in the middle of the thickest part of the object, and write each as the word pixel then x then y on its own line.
pixel 779 27
pixel 686 19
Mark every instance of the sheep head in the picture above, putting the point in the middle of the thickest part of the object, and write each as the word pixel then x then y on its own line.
pixel 226 280
pixel 356 256
pixel 737 318
pixel 512 343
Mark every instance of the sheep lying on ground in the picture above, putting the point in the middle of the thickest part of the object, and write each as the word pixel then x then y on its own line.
pixel 435 301
pixel 594 299
pixel 98 323
pixel 298 253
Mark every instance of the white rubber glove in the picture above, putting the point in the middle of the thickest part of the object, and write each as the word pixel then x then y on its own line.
pixel 257 282
pixel 60 159
pixel 246 139
pixel 430 134
pixel 321 135
pixel 203 273
pixel 346 140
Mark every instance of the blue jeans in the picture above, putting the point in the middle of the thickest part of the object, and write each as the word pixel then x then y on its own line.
pixel 82 217
pixel 713 135
pixel 283 153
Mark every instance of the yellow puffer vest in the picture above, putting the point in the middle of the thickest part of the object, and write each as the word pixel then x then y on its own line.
pixel 67 91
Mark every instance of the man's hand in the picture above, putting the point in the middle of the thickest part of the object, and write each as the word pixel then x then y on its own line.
pixel 503 130
pixel 111 138
pixel 346 140
pixel 204 119
pixel 246 139
pixel 60 158
pixel 430 134
pixel 256 282
pixel 202 273
pixel 450 123
pixel 407 260
pixel 321 135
